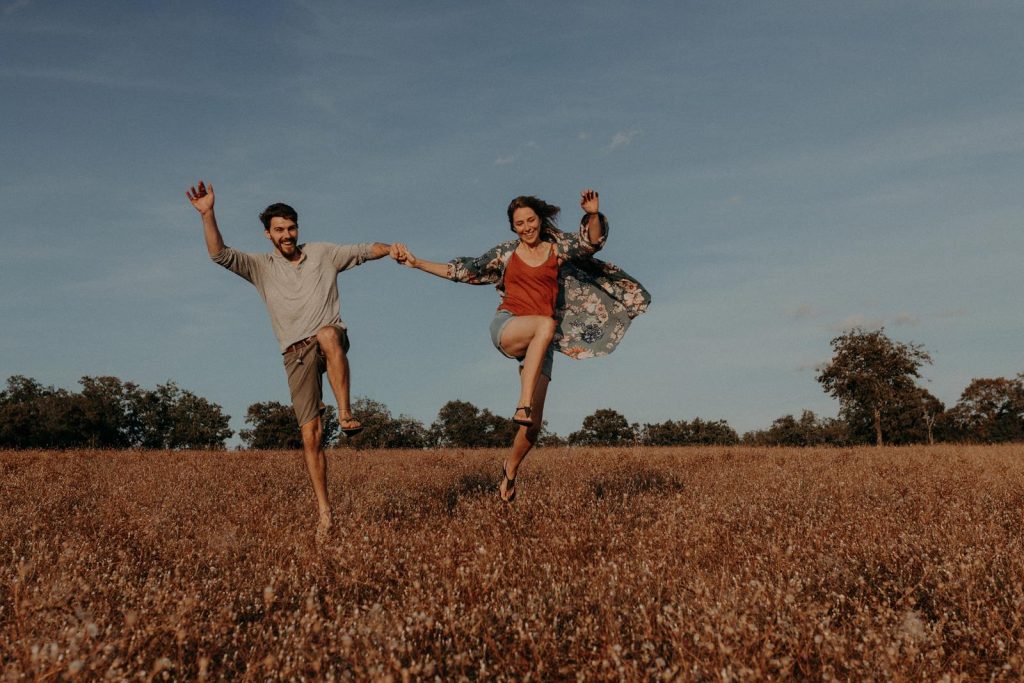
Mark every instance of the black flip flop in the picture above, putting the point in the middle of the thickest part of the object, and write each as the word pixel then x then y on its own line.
pixel 528 422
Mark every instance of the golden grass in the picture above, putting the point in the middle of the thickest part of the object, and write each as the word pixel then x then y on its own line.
pixel 673 564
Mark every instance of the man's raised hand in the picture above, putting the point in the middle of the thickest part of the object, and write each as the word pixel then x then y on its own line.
pixel 201 197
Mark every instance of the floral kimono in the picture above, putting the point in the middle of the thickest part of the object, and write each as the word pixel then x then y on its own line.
pixel 596 300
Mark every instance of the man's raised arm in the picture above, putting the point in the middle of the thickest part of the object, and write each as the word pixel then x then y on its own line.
pixel 201 197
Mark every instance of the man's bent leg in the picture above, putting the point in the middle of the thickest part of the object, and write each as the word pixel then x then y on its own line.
pixel 334 345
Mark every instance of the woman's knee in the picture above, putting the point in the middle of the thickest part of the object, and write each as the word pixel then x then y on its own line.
pixel 547 328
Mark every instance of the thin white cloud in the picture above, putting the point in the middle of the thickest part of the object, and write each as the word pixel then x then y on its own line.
pixel 867 322
pixel 858 320
pixel 803 312
pixel 952 314
pixel 506 160
pixel 82 77
pixel 814 365
pixel 906 319
pixel 912 144
pixel 12 7
pixel 621 139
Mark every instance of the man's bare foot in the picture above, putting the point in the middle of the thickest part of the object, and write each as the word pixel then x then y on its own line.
pixel 350 426
pixel 323 529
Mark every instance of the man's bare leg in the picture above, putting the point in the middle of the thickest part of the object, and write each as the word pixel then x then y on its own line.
pixel 337 373
pixel 526 437
pixel 316 465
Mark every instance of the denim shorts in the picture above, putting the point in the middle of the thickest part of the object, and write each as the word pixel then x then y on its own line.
pixel 501 319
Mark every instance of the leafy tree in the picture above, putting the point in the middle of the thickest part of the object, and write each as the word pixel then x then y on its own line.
pixel 872 376
pixel 109 420
pixel 682 433
pixel 274 427
pixel 108 413
pixel 990 410
pixel 460 424
pixel 912 417
pixel 381 430
pixel 169 418
pixel 809 430
pixel 606 427
pixel 194 421
pixel 34 416
pixel 550 439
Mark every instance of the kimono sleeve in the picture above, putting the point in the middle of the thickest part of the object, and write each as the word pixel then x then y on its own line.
pixel 578 246
pixel 483 270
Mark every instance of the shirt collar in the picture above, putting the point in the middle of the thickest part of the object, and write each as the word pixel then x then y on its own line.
pixel 275 254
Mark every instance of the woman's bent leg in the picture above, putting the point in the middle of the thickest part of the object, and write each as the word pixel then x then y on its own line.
pixel 529 336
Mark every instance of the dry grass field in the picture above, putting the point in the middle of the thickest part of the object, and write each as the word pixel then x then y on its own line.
pixel 645 564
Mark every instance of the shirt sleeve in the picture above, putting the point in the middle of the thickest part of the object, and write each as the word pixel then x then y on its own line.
pixel 345 256
pixel 238 262
pixel 482 270
pixel 577 246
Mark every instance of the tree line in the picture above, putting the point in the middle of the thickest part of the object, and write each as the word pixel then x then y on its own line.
pixel 873 377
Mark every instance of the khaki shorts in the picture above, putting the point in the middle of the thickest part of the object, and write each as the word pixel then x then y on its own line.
pixel 305 367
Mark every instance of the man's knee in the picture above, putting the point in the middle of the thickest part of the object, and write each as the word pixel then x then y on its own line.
pixel 328 337
pixel 312 433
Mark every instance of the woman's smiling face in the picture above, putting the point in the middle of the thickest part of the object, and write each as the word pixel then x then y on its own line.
pixel 526 224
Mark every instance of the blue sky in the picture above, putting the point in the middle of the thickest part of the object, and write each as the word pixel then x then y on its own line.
pixel 774 173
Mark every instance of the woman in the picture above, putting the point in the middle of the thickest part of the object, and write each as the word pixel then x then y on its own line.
pixel 554 295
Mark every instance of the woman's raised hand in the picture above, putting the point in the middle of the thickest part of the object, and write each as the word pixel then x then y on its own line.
pixel 588 201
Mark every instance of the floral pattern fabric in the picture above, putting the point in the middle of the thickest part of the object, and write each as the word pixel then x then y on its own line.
pixel 596 299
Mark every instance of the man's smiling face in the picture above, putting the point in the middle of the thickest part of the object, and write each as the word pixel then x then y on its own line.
pixel 284 235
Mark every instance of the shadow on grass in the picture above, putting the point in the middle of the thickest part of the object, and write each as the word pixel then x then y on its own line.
pixel 635 482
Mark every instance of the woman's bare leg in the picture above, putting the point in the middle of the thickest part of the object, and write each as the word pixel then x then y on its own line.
pixel 528 335
pixel 526 437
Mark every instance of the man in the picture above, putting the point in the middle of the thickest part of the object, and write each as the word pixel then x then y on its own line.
pixel 298 283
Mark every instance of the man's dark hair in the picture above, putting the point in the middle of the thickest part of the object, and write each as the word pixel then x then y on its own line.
pixel 548 213
pixel 278 210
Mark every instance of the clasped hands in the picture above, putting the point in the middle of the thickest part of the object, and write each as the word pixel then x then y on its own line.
pixel 401 254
